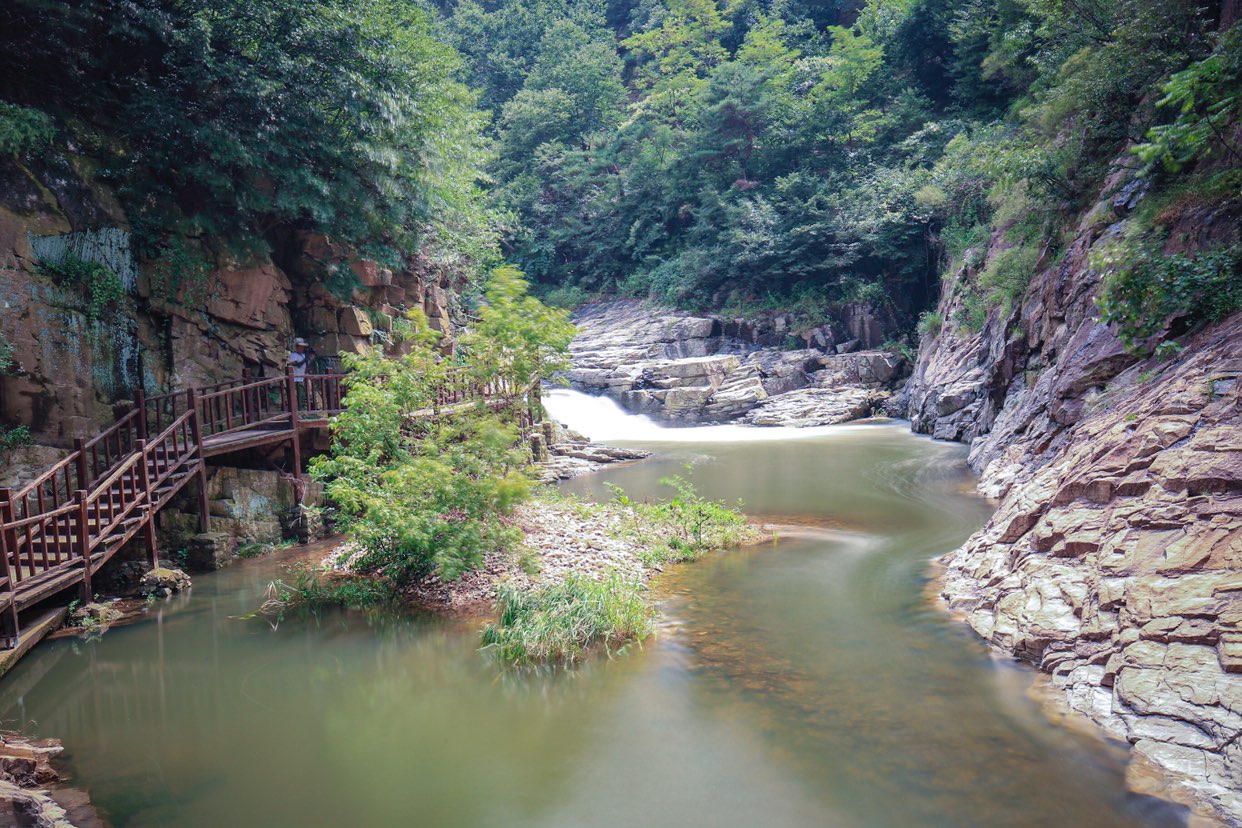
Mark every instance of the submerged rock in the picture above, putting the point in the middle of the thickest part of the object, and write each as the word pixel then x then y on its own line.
pixel 571 454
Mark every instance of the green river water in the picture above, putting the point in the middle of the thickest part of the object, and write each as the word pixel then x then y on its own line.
pixel 807 683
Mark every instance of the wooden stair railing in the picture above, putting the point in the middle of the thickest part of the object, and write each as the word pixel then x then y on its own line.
pixel 77 514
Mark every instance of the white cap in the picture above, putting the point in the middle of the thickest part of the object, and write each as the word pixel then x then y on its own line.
pixel 299 341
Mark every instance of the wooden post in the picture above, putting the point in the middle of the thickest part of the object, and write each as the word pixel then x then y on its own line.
pixel 140 405
pixel 297 441
pixel 144 478
pixel 84 544
pixel 84 480
pixel 8 514
pixel 196 430
pixel 9 630
pixel 535 403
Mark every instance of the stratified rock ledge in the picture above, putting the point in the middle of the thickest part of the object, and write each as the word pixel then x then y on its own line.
pixel 683 368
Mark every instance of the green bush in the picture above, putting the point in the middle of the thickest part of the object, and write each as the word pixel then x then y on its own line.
pixel 16 437
pixel 569 297
pixel 972 314
pixel 178 272
pixel 930 323
pixel 1005 277
pixel 23 130
pixel 306 587
pixel 257 549
pixel 1142 289
pixel 685 527
pixel 559 623
pixel 102 287
pixel 6 353
pixel 1207 100
pixel 432 494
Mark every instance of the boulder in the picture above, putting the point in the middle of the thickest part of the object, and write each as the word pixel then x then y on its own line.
pixel 849 346
pixel 741 391
pixel 355 322
pixel 816 407
pixel 210 551
pixel 371 274
pixel 163 582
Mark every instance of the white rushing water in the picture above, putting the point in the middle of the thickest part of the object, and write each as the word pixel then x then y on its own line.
pixel 602 419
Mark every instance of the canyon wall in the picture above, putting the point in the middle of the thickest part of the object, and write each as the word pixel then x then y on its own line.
pixel 186 322
pixel 1114 559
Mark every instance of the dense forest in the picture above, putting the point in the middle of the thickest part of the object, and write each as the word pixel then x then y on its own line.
pixel 745 154
pixel 790 154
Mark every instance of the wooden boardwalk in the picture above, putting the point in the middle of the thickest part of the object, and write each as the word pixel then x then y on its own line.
pixel 59 529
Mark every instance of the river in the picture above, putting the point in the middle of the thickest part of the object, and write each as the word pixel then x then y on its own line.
pixel 810 682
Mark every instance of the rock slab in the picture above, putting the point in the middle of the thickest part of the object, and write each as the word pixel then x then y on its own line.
pixel 678 367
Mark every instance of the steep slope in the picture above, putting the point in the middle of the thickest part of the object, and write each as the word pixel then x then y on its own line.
pixel 1114 559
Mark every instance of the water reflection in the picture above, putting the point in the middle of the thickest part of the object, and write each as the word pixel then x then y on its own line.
pixel 803 684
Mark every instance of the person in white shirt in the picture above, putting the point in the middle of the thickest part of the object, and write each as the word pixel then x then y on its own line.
pixel 299 358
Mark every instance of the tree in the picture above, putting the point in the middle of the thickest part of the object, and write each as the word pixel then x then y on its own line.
pixel 423 495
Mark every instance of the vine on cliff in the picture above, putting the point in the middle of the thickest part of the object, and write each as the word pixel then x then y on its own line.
pixel 101 286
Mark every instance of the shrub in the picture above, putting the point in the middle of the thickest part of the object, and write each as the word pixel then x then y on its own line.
pixel 569 297
pixel 867 293
pixel 960 241
pixel 558 623
pixel 684 527
pixel 972 314
pixel 16 437
pixel 432 494
pixel 101 286
pixel 1142 289
pixel 23 130
pixel 1005 278
pixel 310 588
pixel 1205 97
pixel 6 353
pixel 930 323
pixel 257 549
pixel 178 272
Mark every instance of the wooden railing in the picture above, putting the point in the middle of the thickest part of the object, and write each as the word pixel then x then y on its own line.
pixel 63 525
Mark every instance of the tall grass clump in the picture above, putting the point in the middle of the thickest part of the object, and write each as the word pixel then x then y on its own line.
pixel 309 588
pixel 684 527
pixel 558 623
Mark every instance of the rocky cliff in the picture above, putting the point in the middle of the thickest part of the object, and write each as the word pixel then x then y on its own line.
pixel 193 318
pixel 1114 559
pixel 681 367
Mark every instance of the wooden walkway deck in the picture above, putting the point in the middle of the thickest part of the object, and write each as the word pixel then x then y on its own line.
pixel 59 529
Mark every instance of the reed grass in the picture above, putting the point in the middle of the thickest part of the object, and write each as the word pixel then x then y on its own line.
pixel 560 622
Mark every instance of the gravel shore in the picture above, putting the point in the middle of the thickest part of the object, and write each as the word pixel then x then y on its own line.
pixel 563 536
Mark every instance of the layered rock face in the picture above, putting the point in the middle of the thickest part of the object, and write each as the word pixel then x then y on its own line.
pixel 175 326
pixel 704 369
pixel 1114 559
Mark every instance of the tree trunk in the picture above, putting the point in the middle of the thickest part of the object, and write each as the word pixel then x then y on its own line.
pixel 1230 11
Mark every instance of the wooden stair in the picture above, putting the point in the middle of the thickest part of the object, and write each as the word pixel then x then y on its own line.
pixel 58 529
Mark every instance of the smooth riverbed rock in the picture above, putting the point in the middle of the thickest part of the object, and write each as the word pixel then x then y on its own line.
pixel 675 366
pixel 816 406
pixel 571 454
